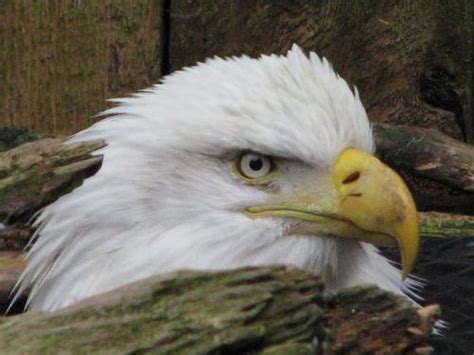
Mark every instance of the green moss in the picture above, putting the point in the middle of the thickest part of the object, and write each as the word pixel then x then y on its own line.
pixel 460 226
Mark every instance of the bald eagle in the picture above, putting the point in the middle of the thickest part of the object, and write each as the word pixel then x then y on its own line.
pixel 234 162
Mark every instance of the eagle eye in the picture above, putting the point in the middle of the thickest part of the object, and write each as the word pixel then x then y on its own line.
pixel 254 166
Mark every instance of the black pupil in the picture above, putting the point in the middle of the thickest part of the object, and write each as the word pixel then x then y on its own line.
pixel 256 164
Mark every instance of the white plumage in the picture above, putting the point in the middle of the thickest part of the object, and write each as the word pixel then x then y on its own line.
pixel 166 198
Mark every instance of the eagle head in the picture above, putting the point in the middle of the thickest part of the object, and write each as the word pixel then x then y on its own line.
pixel 233 162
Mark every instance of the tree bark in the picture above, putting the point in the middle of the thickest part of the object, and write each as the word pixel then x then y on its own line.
pixel 428 153
pixel 410 60
pixel 438 169
pixel 35 174
pixel 272 310
pixel 436 224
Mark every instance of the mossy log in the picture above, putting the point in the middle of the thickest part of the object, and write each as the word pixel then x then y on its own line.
pixel 428 153
pixel 271 310
pixel 437 224
pixel 439 170
pixel 35 174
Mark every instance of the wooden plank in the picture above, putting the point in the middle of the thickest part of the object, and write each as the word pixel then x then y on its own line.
pixel 60 60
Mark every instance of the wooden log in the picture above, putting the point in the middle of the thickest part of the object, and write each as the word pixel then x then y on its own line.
pixel 37 173
pixel 15 237
pixel 436 224
pixel 439 170
pixel 428 153
pixel 272 310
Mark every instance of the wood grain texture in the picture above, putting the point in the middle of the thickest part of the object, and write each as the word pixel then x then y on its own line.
pixel 439 170
pixel 60 60
pixel 35 174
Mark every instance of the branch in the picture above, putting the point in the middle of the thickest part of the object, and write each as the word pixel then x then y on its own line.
pixel 271 309
pixel 428 153
pixel 37 173
pixel 436 224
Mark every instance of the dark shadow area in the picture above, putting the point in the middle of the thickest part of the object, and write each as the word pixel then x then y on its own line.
pixel 447 266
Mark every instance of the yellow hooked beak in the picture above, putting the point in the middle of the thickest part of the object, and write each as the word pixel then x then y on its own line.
pixel 363 199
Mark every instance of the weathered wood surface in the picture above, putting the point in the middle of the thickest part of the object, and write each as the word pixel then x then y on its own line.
pixel 438 169
pixel 264 310
pixel 15 237
pixel 436 224
pixel 35 174
pixel 428 153
pixel 61 60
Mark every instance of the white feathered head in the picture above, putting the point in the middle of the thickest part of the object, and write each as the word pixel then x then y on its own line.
pixel 230 163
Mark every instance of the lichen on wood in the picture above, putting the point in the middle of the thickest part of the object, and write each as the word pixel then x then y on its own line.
pixel 35 174
pixel 428 153
pixel 268 310
pixel 438 169
pixel 437 224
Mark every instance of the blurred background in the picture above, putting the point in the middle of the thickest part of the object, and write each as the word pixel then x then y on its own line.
pixel 60 60
pixel 412 62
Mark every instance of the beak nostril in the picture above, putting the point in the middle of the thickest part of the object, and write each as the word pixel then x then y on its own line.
pixel 351 178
